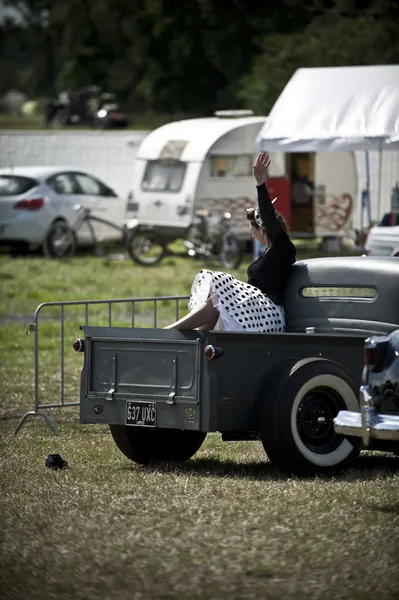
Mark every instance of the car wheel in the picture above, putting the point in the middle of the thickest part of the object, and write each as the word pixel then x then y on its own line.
pixel 143 444
pixel 60 241
pixel 298 421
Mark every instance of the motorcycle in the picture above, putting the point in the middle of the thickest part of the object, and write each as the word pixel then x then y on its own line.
pixel 88 106
pixel 209 237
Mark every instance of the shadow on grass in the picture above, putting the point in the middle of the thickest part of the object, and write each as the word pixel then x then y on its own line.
pixel 371 465
pixel 367 467
pixel 388 509
pixel 211 467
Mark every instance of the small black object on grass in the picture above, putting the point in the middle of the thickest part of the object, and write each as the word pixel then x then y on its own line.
pixel 55 461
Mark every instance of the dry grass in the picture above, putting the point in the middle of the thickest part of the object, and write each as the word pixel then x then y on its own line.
pixel 225 524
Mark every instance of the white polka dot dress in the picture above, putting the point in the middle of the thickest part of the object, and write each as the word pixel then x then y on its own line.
pixel 241 306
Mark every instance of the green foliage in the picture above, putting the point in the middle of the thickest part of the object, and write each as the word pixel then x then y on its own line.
pixel 332 39
pixel 161 56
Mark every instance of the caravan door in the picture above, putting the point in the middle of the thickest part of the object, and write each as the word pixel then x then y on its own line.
pixel 335 192
pixel 165 196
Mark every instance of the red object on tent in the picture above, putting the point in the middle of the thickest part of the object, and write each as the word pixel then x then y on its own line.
pixel 281 187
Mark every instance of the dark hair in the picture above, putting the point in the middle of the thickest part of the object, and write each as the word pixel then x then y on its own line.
pixel 279 216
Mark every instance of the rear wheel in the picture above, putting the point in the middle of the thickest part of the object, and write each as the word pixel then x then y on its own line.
pixel 143 445
pixel 231 252
pixel 298 422
pixel 60 241
pixel 146 248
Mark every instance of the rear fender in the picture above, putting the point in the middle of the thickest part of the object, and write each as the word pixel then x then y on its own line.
pixel 268 385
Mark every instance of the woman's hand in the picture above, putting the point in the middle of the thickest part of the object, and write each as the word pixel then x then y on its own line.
pixel 260 167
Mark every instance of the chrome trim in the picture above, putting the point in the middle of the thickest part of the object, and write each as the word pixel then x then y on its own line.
pixel 371 427
pixel 368 414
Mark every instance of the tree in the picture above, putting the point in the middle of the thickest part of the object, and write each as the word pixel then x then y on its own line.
pixel 332 39
pixel 167 56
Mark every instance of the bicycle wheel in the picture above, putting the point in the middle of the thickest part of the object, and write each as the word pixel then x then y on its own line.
pixel 60 241
pixel 146 248
pixel 231 252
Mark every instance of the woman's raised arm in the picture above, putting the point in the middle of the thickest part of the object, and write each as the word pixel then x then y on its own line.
pixel 265 203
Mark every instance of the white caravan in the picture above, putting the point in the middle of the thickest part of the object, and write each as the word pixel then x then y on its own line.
pixel 203 163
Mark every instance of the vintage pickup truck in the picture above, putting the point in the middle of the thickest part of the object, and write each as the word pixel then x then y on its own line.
pixel 161 391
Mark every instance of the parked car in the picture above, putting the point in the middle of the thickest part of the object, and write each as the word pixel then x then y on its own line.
pixel 377 423
pixel 383 240
pixel 37 204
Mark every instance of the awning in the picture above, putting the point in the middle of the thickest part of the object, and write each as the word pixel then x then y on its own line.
pixel 335 109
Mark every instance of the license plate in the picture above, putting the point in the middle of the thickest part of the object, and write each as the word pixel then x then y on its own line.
pixel 143 414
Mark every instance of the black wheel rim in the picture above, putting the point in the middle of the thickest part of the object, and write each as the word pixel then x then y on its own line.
pixel 147 248
pixel 315 419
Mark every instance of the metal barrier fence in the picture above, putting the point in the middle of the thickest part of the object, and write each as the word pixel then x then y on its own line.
pixel 151 319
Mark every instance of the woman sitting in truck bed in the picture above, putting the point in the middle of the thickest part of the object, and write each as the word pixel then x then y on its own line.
pixel 221 302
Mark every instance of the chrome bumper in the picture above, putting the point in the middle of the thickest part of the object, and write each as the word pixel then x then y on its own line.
pixel 368 424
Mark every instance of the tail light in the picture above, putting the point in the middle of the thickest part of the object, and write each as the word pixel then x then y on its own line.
pixel 30 204
pixel 378 353
pixel 79 345
pixel 212 352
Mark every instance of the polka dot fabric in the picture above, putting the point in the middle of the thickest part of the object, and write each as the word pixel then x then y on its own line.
pixel 241 306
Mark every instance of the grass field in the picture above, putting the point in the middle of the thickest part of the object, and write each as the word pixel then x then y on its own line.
pixel 226 524
pixel 139 121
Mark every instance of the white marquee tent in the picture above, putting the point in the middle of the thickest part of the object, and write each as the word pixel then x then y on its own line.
pixel 336 109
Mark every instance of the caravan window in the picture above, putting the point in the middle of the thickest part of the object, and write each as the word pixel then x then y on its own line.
pixel 231 166
pixel 163 176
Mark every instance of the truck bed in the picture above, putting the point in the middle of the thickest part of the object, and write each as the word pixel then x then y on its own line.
pixel 162 378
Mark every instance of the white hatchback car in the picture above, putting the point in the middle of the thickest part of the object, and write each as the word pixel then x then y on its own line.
pixel 37 204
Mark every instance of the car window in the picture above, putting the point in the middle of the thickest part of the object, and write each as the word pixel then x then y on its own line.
pixel 163 175
pixel 13 185
pixel 63 183
pixel 88 185
pixel 92 187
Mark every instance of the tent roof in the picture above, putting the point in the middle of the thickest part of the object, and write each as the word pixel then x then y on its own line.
pixel 335 108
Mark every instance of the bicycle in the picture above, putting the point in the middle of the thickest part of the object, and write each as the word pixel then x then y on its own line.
pixel 63 242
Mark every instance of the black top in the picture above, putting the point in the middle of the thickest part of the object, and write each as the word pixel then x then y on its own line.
pixel 269 273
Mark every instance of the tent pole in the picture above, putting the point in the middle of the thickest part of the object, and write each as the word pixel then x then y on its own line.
pixel 379 185
pixel 365 203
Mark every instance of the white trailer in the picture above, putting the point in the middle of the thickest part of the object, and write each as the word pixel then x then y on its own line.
pixel 203 163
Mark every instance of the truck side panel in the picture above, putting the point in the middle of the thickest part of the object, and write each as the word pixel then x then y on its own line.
pixel 247 357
